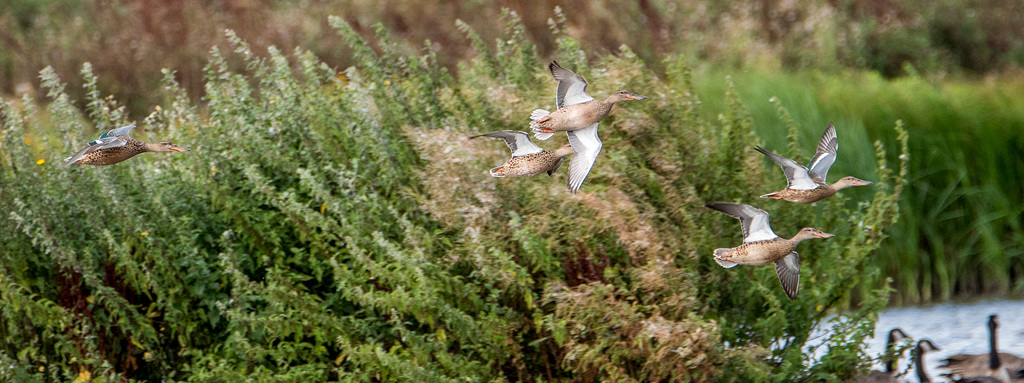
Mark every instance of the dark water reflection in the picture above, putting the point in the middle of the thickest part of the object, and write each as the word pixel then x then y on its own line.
pixel 957 327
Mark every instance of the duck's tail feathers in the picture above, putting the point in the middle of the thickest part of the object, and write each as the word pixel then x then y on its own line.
pixel 772 195
pixel 498 172
pixel 542 136
pixel 721 254
pixel 536 118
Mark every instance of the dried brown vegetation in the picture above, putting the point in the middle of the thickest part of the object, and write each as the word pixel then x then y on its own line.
pixel 129 42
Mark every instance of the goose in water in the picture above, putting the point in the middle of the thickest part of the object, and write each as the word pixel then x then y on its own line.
pixel 923 346
pixel 993 366
pixel 889 375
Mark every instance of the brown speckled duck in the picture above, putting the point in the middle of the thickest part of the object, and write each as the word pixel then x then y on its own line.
pixel 116 146
pixel 576 109
pixel 528 159
pixel 808 186
pixel 577 115
pixel 761 246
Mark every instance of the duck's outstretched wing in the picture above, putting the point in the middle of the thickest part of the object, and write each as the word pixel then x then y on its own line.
pixel 110 139
pixel 123 131
pixel 754 221
pixel 554 169
pixel 518 142
pixel 826 155
pixel 796 174
pixel 572 89
pixel 587 145
pixel 788 269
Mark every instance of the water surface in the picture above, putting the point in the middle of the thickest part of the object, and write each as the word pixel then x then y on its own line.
pixel 956 327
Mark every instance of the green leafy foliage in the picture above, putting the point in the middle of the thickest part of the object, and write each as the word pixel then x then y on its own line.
pixel 338 226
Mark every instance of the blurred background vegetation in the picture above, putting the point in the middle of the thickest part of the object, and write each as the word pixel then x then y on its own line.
pixel 128 42
pixel 330 223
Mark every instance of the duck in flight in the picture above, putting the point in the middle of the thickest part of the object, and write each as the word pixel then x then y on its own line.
pixel 528 159
pixel 761 246
pixel 115 146
pixel 578 115
pixel 807 184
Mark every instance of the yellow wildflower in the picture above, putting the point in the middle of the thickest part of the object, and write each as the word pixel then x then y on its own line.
pixel 84 376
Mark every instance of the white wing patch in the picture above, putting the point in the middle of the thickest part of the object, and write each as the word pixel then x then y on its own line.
pixel 802 180
pixel 760 230
pixel 524 146
pixel 572 88
pixel 796 174
pixel 820 165
pixel 518 142
pixel 576 94
pixel 828 148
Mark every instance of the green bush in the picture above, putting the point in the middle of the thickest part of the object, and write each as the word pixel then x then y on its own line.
pixel 338 226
